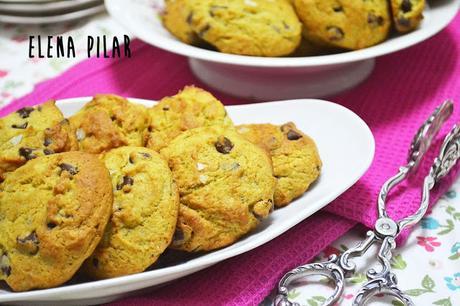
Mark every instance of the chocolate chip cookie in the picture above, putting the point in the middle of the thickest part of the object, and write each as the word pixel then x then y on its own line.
pixel 407 14
pixel 295 158
pixel 177 18
pixel 31 132
pixel 246 27
pixel 225 185
pixel 144 213
pixel 190 108
pixel 108 122
pixel 352 25
pixel 53 212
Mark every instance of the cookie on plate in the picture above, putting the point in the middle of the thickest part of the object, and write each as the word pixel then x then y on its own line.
pixel 177 18
pixel 247 27
pixel 31 132
pixel 407 14
pixel 225 185
pixel 53 212
pixel 190 108
pixel 295 158
pixel 144 213
pixel 352 25
pixel 108 122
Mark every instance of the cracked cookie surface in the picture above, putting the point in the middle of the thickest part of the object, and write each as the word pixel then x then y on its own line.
pixel 53 212
pixel 144 213
pixel 190 108
pixel 295 158
pixel 225 185
pixel 108 122
pixel 247 27
pixel 352 25
pixel 31 132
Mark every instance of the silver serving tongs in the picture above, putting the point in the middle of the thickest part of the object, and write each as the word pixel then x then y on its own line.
pixel 384 281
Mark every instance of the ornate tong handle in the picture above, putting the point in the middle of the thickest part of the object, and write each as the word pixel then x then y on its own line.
pixel 386 230
pixel 385 281
pixel 425 134
pixel 419 146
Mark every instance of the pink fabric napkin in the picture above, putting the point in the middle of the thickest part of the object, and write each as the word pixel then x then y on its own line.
pixel 402 91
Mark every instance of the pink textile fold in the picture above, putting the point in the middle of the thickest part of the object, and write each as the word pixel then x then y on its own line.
pixel 403 90
pixel 248 278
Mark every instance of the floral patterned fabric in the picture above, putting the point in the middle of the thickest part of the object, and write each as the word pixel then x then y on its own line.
pixel 428 266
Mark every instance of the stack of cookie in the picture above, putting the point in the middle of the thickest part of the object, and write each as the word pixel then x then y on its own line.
pixel 108 190
pixel 276 27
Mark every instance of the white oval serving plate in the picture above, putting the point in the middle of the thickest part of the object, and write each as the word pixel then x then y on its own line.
pixel 291 77
pixel 346 147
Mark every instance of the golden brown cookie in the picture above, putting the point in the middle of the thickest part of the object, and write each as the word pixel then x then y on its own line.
pixel 352 25
pixel 295 158
pixel 190 108
pixel 407 14
pixel 225 185
pixel 53 212
pixel 247 27
pixel 177 18
pixel 144 213
pixel 32 132
pixel 108 122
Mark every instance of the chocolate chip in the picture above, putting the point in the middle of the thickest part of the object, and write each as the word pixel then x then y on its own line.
pixel 113 118
pixel 131 161
pixel 95 262
pixel 277 29
pixel 375 20
pixel 127 180
pixel 6 270
pixel 223 145
pixel 146 155
pixel 25 112
pixel 203 31
pixel 293 135
pixel 338 9
pixel 21 126
pixel 47 142
pixel 190 18
pixel 178 235
pixel 5 264
pixel 406 6
pixel 69 168
pixel 404 22
pixel 286 26
pixel 51 225
pixel 27 153
pixel 48 152
pixel 166 108
pixel 272 207
pixel 335 33
pixel 29 243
